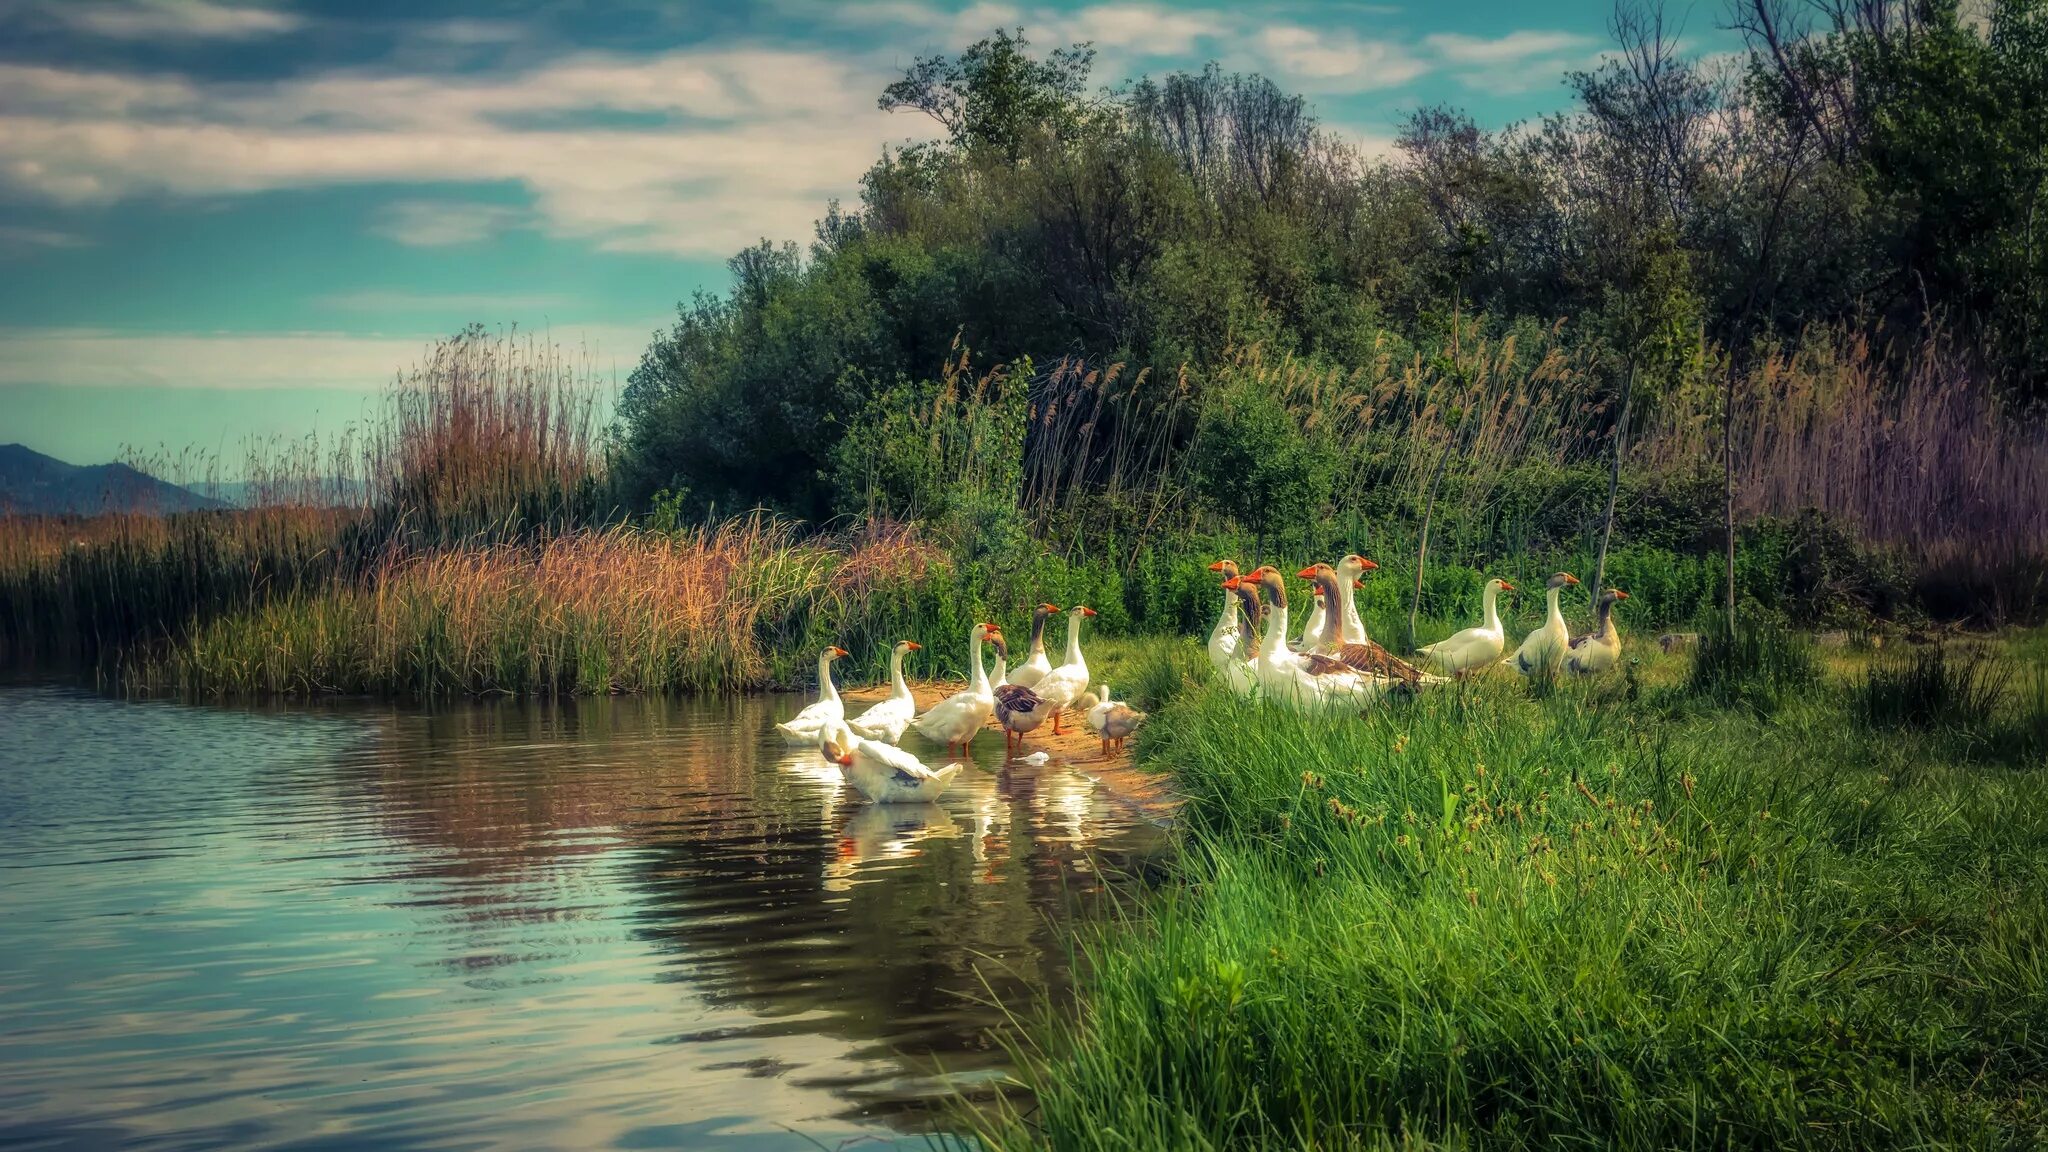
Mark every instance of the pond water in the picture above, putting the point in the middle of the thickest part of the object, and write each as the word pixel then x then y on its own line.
pixel 610 923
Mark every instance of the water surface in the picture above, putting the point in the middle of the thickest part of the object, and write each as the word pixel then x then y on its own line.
pixel 610 923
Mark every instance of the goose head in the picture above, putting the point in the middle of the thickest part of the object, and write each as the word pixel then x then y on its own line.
pixel 1227 567
pixel 1560 580
pixel 1270 582
pixel 1610 596
pixel 905 646
pixel 1002 646
pixel 833 653
pixel 1352 566
pixel 836 745
pixel 1499 585
pixel 1078 611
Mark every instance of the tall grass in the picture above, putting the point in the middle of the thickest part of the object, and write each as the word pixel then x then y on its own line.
pixel 593 612
pixel 1488 920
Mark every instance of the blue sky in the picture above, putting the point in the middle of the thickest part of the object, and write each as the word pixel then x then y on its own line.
pixel 221 220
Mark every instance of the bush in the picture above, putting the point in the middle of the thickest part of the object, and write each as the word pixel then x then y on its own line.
pixel 1759 666
pixel 1931 689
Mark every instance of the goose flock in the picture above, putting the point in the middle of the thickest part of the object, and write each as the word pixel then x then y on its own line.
pixel 1336 664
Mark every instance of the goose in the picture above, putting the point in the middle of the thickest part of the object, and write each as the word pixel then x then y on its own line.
pixel 954 720
pixel 1598 650
pixel 1473 647
pixel 887 720
pixel 1349 569
pixel 883 774
pixel 1059 686
pixel 1302 681
pixel 1312 628
pixel 1110 718
pixel 1035 664
pixel 1226 642
pixel 1019 710
pixel 1542 651
pixel 807 725
pixel 1361 655
pixel 1117 725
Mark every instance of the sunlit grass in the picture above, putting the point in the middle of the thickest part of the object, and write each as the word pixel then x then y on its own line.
pixel 1488 919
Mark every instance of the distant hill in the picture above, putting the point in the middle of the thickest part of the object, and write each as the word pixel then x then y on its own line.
pixel 327 491
pixel 34 484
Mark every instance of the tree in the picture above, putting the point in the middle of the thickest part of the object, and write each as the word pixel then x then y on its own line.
pixel 995 95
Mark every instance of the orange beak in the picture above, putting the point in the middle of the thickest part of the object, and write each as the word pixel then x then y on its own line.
pixel 913 645
pixel 1506 587
pixel 1218 566
pixel 1570 579
pixel 838 653
pixel 1308 573
pixel 1048 607
pixel 1233 582
pixel 1367 565
pixel 1087 611
pixel 1620 595
pixel 1359 583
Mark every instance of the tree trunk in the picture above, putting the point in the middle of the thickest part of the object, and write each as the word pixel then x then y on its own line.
pixel 1422 552
pixel 1628 383
pixel 1728 485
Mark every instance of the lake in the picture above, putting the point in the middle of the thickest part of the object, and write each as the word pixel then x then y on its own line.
pixel 599 923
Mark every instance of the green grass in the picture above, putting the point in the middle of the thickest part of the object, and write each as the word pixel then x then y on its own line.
pixel 1487 919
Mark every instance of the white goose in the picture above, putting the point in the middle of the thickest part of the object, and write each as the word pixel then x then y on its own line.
pixel 1312 629
pixel 1302 682
pixel 1226 644
pixel 887 720
pixel 1349 570
pixel 1099 703
pixel 806 726
pixel 1600 649
pixel 883 774
pixel 1542 651
pixel 954 720
pixel 1472 648
pixel 1035 664
pixel 1059 687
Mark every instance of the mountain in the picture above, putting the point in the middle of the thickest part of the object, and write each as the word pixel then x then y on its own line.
pixel 34 484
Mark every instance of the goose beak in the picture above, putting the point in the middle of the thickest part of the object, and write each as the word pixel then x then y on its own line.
pixel 1570 579
pixel 1367 565
pixel 1308 573
pixel 1048 607
pixel 1506 587
pixel 1234 583
pixel 1358 584
pixel 838 653
pixel 913 646
pixel 1620 595
pixel 1087 611
pixel 1218 566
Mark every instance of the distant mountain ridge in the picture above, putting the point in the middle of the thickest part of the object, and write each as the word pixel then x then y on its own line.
pixel 38 485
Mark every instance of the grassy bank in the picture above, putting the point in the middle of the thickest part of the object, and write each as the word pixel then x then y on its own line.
pixel 1606 917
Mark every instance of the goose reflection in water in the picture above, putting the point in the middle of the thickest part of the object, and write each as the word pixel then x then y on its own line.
pixel 878 835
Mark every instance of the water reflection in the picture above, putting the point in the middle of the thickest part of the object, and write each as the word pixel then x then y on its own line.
pixel 602 923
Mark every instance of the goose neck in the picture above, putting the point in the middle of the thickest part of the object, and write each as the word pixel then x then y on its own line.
pixel 1556 614
pixel 826 689
pixel 1493 608
pixel 980 681
pixel 1074 638
pixel 896 685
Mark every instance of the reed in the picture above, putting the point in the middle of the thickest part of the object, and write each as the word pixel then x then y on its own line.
pixel 590 612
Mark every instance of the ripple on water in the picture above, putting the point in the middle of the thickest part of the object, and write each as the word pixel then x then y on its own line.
pixel 610 923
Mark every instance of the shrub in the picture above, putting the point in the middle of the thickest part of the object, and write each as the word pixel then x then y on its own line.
pixel 1759 666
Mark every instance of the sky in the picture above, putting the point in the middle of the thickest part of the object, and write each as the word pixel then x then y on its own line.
pixel 223 220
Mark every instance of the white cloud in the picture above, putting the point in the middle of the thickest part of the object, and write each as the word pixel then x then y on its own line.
pixel 440 223
pixel 489 307
pixel 179 19
pixel 14 236
pixel 1460 49
pixel 745 142
pixel 1332 61
pixel 91 357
